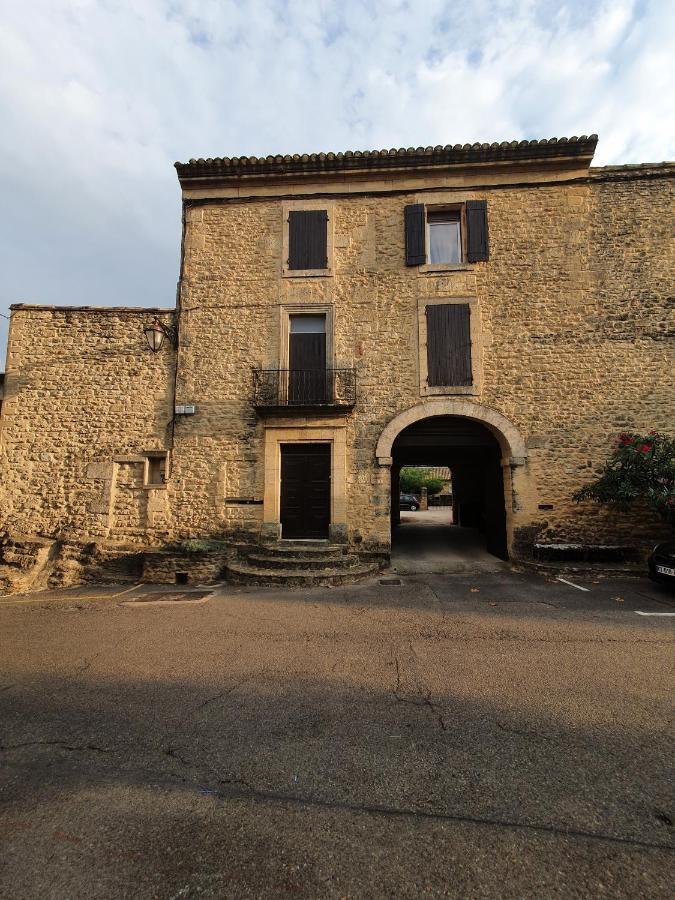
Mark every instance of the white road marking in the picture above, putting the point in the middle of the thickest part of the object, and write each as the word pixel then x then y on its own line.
pixel 572 584
pixel 640 613
pixel 127 590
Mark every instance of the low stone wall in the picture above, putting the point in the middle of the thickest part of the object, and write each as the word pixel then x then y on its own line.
pixel 170 567
pixel 20 562
pixel 593 553
pixel 34 564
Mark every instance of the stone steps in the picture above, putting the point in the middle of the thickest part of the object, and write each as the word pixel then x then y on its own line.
pixel 303 549
pixel 316 561
pixel 300 564
pixel 243 572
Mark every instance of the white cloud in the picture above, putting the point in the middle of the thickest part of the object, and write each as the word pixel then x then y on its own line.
pixel 99 97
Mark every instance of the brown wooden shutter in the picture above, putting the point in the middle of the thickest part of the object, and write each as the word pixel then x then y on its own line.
pixel 448 345
pixel 477 246
pixel 307 239
pixel 415 235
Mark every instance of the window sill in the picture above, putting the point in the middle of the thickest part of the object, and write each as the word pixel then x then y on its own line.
pixel 444 268
pixel 306 273
pixel 154 487
pixel 460 390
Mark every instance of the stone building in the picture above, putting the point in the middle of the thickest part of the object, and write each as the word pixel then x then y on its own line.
pixel 499 309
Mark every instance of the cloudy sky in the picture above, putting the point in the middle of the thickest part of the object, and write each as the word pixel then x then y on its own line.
pixel 98 98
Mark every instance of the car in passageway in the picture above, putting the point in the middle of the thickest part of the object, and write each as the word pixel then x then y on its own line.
pixel 661 563
pixel 408 501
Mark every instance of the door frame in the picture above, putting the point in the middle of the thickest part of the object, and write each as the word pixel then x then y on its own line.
pixel 336 436
pixel 304 309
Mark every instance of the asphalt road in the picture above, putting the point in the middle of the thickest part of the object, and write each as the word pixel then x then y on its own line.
pixel 503 736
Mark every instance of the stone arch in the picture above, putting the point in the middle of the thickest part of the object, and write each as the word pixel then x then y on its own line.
pixel 510 440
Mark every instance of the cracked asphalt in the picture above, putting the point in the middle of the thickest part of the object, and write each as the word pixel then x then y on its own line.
pixel 505 735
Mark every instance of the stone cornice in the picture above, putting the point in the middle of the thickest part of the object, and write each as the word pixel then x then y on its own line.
pixel 141 310
pixel 632 171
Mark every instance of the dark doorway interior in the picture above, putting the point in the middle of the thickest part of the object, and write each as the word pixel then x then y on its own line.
pixel 305 491
pixel 473 455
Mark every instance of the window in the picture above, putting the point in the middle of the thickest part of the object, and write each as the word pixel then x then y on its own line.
pixel 308 239
pixel 445 237
pixel 307 359
pixel 155 470
pixel 450 345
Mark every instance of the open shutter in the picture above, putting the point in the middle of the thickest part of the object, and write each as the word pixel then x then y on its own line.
pixel 448 345
pixel 307 239
pixel 415 233
pixel 477 245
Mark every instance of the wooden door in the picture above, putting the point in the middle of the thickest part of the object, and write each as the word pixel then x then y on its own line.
pixel 305 491
pixel 307 360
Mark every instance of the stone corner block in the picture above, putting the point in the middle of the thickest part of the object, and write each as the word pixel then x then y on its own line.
pixel 337 533
pixel 270 531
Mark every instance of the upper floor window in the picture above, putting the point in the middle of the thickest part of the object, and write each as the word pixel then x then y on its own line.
pixel 448 236
pixel 307 238
pixel 444 239
pixel 449 345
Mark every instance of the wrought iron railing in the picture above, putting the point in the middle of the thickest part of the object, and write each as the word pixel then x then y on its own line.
pixel 304 387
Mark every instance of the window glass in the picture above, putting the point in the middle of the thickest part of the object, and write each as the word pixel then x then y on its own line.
pixel 444 237
pixel 308 324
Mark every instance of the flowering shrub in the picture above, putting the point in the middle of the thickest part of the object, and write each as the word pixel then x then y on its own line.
pixel 641 467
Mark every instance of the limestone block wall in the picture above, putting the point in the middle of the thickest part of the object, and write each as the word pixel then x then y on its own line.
pixel 608 361
pixel 85 397
pixel 575 339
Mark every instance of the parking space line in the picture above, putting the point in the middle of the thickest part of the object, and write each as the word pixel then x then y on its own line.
pixel 640 613
pixel 572 584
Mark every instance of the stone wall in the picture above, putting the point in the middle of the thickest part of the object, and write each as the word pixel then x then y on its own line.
pixel 575 344
pixel 85 397
pixel 574 328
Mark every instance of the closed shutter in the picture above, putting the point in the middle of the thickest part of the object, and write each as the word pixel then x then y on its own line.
pixel 448 345
pixel 477 246
pixel 307 239
pixel 415 233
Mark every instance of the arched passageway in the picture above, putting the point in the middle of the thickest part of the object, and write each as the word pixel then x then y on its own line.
pixel 473 523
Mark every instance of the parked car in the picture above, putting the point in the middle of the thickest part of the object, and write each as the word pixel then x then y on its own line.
pixel 662 562
pixel 408 501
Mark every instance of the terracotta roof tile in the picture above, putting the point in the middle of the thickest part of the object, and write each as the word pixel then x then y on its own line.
pixel 411 157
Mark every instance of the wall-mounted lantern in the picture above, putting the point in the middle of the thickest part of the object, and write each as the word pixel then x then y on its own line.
pixel 155 334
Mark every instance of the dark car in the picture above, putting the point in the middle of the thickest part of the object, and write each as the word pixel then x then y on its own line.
pixel 408 501
pixel 662 562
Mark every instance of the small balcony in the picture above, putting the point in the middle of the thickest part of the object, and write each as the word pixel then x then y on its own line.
pixel 324 389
